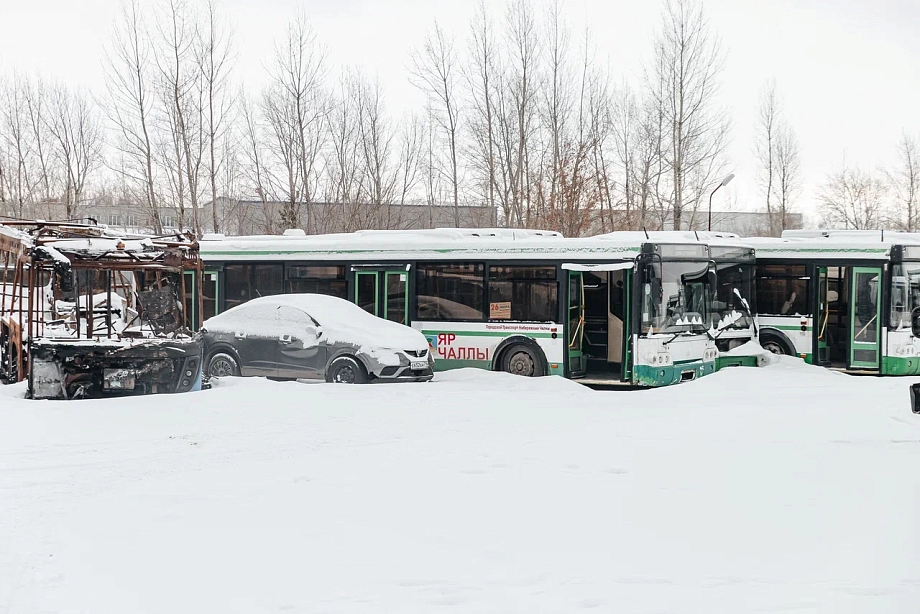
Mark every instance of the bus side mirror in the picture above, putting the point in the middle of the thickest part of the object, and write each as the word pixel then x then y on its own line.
pixel 915 398
pixel 915 321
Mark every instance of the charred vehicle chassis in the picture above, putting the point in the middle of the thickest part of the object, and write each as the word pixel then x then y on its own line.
pixel 88 312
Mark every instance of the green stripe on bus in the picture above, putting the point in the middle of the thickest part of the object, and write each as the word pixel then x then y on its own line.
pixel 586 251
pixel 446 364
pixel 823 250
pixel 785 327
pixel 488 333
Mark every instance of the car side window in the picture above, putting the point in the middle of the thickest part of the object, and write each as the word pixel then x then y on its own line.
pixel 299 324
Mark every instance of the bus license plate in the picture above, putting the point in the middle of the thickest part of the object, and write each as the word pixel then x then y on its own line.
pixel 419 364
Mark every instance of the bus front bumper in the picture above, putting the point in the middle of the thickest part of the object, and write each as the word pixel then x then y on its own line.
pixel 665 375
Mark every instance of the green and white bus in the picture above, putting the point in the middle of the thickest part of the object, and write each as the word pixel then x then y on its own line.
pixel 841 299
pixel 628 308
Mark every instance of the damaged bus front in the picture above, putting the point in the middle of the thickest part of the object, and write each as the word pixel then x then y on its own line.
pixel 89 313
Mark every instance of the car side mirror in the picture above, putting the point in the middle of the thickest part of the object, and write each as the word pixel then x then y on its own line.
pixel 915 398
pixel 314 331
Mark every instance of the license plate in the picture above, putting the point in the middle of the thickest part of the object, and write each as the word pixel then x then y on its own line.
pixel 419 364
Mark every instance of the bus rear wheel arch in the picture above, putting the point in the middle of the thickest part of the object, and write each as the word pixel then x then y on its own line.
pixel 520 356
pixel 776 343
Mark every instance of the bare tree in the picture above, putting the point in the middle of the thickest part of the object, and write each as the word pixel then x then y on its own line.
pixel 78 134
pixel 182 97
pixel 257 175
pixel 684 84
pixel 479 77
pixel 37 98
pixel 765 144
pixel 854 198
pixel 215 62
pixel 788 170
pixel 296 108
pixel 522 36
pixel 904 182
pixel 130 105
pixel 434 71
pixel 14 135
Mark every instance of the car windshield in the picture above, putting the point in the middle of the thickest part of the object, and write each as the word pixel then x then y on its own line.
pixel 726 306
pixel 675 297
pixel 905 293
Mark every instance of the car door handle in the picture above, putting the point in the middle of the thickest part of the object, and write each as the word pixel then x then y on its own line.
pixel 240 335
pixel 285 339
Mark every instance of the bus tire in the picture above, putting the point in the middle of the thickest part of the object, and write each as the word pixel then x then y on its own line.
pixel 346 370
pixel 520 359
pixel 776 344
pixel 223 364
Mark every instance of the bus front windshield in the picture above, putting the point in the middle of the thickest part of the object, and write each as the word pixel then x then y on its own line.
pixel 675 297
pixel 905 293
pixel 727 307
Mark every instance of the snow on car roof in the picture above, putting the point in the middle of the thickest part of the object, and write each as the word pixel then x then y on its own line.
pixel 341 321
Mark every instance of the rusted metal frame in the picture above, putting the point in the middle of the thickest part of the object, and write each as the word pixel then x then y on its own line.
pixel 31 298
pixel 76 293
pixel 108 306
pixel 90 325
pixel 182 299
pixel 6 269
pixel 199 275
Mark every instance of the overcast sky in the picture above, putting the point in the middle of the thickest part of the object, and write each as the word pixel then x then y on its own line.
pixel 847 70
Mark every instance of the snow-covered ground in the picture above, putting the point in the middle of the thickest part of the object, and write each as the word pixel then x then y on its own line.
pixel 786 488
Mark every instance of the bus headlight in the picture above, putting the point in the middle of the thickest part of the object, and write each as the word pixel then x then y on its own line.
pixel 662 359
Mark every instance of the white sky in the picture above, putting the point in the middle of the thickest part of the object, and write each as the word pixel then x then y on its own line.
pixel 846 69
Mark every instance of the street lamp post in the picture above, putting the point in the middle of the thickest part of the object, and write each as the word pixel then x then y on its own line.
pixel 725 181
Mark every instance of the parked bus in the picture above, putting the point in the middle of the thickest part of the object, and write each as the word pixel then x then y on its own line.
pixel 627 308
pixel 86 312
pixel 841 299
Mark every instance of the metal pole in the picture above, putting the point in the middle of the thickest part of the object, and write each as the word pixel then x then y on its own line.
pixel 710 205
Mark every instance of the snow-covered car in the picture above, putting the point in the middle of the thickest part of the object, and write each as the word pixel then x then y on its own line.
pixel 313 336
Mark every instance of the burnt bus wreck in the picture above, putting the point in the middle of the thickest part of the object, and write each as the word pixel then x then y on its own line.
pixel 86 312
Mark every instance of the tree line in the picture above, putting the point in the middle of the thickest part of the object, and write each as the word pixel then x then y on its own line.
pixel 520 115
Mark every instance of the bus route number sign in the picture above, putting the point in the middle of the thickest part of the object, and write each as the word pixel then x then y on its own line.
pixel 500 311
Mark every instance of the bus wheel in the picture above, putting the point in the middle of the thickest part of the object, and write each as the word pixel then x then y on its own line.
pixel 520 360
pixel 775 346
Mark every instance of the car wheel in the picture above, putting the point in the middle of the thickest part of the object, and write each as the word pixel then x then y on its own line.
pixel 346 370
pixel 521 360
pixel 223 365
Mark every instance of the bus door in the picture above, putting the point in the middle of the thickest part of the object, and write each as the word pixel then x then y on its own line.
pixel 210 305
pixel 575 323
pixel 865 288
pixel 626 373
pixel 822 319
pixel 383 291
pixel 210 294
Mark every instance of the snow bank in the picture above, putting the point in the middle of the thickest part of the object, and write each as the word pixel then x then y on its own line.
pixel 776 489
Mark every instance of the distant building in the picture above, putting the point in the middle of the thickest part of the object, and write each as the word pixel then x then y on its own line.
pixel 244 217
pixel 742 223
pixel 251 216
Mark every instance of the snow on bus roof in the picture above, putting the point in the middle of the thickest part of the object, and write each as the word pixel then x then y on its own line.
pixel 446 242
pixel 831 244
